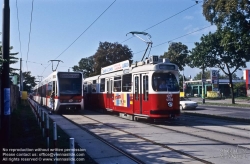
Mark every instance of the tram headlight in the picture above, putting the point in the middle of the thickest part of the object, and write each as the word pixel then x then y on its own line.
pixel 170 104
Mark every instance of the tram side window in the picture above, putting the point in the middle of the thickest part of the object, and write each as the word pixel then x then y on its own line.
pixel 55 88
pixel 93 86
pixel 145 88
pixel 40 90
pixel 136 88
pixel 43 91
pixel 117 84
pixel 102 85
pixel 49 89
pixel 108 87
pixel 126 83
pixel 85 88
pixel 89 88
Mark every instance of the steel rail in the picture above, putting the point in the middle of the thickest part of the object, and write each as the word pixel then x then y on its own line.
pixel 153 142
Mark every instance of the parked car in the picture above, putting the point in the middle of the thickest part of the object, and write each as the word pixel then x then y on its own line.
pixel 186 103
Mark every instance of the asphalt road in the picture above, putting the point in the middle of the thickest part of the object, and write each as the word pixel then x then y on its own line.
pixel 224 111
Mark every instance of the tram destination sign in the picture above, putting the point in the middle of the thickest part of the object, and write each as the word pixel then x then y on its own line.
pixel 69 75
pixel 167 67
pixel 115 67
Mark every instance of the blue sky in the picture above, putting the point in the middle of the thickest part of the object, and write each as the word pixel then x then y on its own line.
pixel 56 24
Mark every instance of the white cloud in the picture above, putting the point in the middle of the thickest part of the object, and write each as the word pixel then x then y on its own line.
pixel 189 17
pixel 187 27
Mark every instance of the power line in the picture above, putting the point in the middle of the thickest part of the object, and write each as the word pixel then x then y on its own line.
pixel 82 33
pixel 170 17
pixel 164 20
pixel 86 29
pixel 177 38
pixel 35 62
pixel 29 33
pixel 19 30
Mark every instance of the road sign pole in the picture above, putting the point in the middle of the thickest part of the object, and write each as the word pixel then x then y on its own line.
pixel 203 78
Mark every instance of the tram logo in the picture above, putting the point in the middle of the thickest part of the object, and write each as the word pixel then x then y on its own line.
pixel 169 97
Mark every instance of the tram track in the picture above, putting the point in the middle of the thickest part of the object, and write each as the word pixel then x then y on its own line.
pixel 100 125
pixel 137 136
pixel 174 123
pixel 208 138
pixel 133 158
pixel 226 127
pixel 201 120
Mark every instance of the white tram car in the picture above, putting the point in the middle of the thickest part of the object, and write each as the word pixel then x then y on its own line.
pixel 68 90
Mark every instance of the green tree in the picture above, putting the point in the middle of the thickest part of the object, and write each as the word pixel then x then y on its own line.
pixel 228 13
pixel 28 81
pixel 85 65
pixel 198 76
pixel 212 52
pixel 178 54
pixel 233 18
pixel 110 53
pixel 12 60
pixel 234 76
pixel 240 89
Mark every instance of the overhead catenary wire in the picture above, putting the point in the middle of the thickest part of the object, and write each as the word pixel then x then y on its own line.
pixel 29 34
pixel 86 29
pixel 177 38
pixel 82 32
pixel 19 31
pixel 164 20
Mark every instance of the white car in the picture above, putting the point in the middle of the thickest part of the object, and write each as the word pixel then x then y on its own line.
pixel 186 103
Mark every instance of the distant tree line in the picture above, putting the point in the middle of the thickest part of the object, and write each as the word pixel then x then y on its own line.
pixel 106 54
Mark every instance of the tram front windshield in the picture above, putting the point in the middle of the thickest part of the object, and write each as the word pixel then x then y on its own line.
pixel 164 82
pixel 70 84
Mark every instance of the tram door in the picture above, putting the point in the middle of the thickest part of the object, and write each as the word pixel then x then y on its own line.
pixel 140 93
pixel 109 95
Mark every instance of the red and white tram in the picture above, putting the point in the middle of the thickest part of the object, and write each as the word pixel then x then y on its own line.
pixel 68 90
pixel 134 90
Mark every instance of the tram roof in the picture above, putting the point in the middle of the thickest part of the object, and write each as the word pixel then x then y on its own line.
pixel 52 76
pixel 121 68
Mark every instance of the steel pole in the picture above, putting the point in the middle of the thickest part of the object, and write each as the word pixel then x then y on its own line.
pixel 5 87
pixel 203 85
pixel 183 85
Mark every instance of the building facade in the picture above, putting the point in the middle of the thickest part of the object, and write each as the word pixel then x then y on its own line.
pixel 194 88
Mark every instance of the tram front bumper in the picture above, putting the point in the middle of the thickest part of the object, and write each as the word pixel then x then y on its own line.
pixel 165 112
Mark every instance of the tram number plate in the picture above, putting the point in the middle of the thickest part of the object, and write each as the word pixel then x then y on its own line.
pixel 169 97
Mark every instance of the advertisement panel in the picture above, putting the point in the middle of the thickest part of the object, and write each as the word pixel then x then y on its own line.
pixel 215 79
pixel 247 78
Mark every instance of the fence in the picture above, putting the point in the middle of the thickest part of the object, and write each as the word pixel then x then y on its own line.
pixel 14 96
